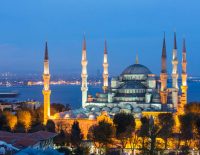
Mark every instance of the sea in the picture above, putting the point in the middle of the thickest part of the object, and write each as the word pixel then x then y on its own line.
pixel 71 94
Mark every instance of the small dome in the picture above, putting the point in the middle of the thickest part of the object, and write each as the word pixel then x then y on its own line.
pixel 92 116
pixel 81 116
pixel 128 106
pixel 106 109
pixel 136 69
pixel 68 115
pixel 95 109
pixel 137 110
pixel 110 105
pixel 115 110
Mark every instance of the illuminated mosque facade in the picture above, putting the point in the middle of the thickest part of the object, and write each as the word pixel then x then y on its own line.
pixel 136 90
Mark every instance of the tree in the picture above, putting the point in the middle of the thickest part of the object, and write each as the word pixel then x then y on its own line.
pixel 149 131
pixel 76 135
pixel 11 121
pixel 154 131
pixel 134 140
pixel 8 121
pixel 50 126
pixel 3 121
pixel 81 151
pixel 190 130
pixel 64 150
pixel 125 126
pixel 186 128
pixel 37 116
pixel 166 123
pixel 144 131
pixel 193 107
pixel 58 107
pixel 101 134
pixel 24 117
pixel 62 139
pixel 197 124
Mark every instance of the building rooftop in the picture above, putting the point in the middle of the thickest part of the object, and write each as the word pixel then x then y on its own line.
pixel 23 140
pixel 136 69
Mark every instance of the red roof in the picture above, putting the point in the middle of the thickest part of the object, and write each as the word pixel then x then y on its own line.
pixel 23 140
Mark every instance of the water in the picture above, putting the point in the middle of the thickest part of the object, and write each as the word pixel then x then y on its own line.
pixel 71 94
pixel 65 94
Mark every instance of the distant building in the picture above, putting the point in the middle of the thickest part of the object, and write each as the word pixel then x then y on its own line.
pixel 8 106
pixel 18 141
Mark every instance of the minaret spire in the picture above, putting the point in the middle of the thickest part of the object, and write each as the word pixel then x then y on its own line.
pixel 84 74
pixel 174 74
pixel 136 59
pixel 164 57
pixel 175 45
pixel 184 53
pixel 163 75
pixel 46 90
pixel 84 43
pixel 184 65
pixel 105 47
pixel 105 68
pixel 46 55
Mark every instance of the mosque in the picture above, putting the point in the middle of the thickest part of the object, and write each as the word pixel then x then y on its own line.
pixel 136 90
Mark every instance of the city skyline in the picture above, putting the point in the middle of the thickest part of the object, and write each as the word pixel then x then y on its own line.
pixel 128 31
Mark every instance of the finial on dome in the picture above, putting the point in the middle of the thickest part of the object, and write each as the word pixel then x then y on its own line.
pixel 136 59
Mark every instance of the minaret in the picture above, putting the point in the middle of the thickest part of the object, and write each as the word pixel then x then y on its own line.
pixel 174 74
pixel 174 65
pixel 46 90
pixel 163 75
pixel 84 74
pixel 184 80
pixel 105 69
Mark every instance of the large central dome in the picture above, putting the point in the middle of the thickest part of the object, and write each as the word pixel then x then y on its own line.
pixel 136 69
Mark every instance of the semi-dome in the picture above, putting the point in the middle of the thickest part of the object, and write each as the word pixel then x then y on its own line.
pixel 136 69
pixel 106 109
pixel 81 115
pixel 133 85
pixel 128 106
pixel 95 109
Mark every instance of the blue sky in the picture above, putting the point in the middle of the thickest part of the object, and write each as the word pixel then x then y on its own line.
pixel 129 26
